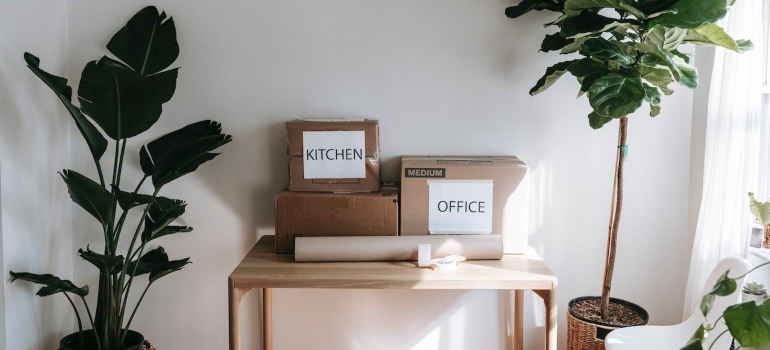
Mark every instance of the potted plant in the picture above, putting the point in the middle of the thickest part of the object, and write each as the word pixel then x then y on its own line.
pixel 754 291
pixel 747 322
pixel 625 54
pixel 124 97
pixel 761 211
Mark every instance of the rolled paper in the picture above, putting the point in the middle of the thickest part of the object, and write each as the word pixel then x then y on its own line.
pixel 396 248
pixel 423 255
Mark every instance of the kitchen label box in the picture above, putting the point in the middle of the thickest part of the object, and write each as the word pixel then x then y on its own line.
pixel 333 155
pixel 320 214
pixel 466 195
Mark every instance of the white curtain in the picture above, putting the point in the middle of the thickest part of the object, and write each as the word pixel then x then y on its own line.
pixel 732 142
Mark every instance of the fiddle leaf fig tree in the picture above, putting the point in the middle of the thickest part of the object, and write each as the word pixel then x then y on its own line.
pixel 626 54
pixel 124 97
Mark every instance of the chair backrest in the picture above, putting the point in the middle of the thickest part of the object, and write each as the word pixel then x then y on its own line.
pixel 738 267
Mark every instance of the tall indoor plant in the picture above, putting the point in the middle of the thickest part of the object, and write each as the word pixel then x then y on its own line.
pixel 124 97
pixel 626 54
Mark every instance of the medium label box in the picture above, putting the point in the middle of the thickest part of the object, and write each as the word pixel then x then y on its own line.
pixel 321 214
pixel 466 195
pixel 333 155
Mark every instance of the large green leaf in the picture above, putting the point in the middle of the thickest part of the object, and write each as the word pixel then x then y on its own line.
pixel 180 152
pixel 667 38
pixel 89 195
pixel 574 46
pixel 652 95
pixel 554 42
pixel 692 13
pixel 723 287
pixel 587 70
pixel 147 261
pixel 552 74
pixel 761 211
pixel 165 83
pixel 97 144
pixel 121 101
pixel 159 216
pixel 537 5
pixel 656 6
pixel 682 71
pixel 147 43
pixel 583 24
pixel 574 7
pixel 109 264
pixel 596 120
pixel 52 284
pixel 654 70
pixel 164 269
pixel 616 95
pixel 712 35
pixel 607 50
pixel 749 323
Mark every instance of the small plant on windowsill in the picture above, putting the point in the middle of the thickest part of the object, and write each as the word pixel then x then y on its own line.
pixel 124 97
pixel 754 291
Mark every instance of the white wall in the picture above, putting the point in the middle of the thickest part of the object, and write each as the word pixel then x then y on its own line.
pixel 443 77
pixel 34 145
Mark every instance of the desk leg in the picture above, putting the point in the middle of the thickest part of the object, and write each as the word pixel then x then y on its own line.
pixel 549 297
pixel 267 318
pixel 518 319
pixel 234 296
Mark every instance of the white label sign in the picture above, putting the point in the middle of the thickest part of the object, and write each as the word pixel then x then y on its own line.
pixel 460 206
pixel 334 154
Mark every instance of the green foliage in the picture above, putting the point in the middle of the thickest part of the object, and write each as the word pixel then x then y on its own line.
pixel 754 288
pixel 748 323
pixel 761 211
pixel 124 98
pixel 633 46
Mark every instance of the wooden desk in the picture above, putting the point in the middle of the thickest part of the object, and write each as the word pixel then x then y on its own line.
pixel 262 268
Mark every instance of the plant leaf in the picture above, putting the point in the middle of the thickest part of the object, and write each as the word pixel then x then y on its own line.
pixel 596 120
pixel 583 24
pixel 692 14
pixel 682 72
pixel 607 50
pixel 180 152
pixel 615 95
pixel 537 5
pixel 165 83
pixel 761 211
pixel 128 200
pixel 574 46
pixel 712 35
pixel 654 110
pixel 655 71
pixel 121 101
pixel 108 264
pixel 693 345
pixel 724 286
pixel 749 323
pixel 147 43
pixel 552 74
pixel 89 195
pixel 159 215
pixel 164 269
pixel 97 144
pixel 554 42
pixel 574 7
pixel 52 284
pixel 146 262
pixel 656 6
pixel 652 95
pixel 667 38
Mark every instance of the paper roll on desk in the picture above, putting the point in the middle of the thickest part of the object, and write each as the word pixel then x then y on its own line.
pixel 396 248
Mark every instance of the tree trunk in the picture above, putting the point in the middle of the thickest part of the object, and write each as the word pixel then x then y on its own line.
pixel 615 208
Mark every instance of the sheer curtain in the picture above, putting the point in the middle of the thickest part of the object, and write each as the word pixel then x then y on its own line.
pixel 732 142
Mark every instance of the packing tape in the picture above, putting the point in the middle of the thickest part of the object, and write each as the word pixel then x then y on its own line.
pixel 446 264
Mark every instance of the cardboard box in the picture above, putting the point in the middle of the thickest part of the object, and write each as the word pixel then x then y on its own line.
pixel 318 214
pixel 466 195
pixel 333 155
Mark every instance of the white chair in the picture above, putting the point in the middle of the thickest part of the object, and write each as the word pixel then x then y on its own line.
pixel 676 336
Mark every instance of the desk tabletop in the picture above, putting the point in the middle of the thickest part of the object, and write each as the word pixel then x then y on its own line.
pixel 263 268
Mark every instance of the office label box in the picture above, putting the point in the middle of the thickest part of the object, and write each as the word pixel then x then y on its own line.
pixel 466 195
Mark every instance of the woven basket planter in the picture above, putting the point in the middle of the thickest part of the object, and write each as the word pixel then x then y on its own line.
pixel 583 334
